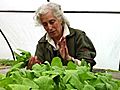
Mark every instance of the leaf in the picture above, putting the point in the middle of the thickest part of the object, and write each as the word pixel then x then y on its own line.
pixel 16 75
pixel 2 88
pixel 84 63
pixel 71 65
pixel 23 52
pixel 100 86
pixel 57 79
pixel 36 67
pixel 29 74
pixel 56 61
pixel 119 88
pixel 2 76
pixel 48 67
pixel 75 82
pixel 29 83
pixel 18 65
pixel 88 87
pixel 66 78
pixel 18 87
pixel 108 86
pixel 45 83
pixel 86 76
pixel 69 87
pixel 23 56
pixel 113 84
pixel 4 82
pixel 68 75
pixel 35 89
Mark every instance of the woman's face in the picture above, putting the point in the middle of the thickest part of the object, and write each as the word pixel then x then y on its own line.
pixel 52 25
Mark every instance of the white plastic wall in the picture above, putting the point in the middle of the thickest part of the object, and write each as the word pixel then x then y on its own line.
pixel 101 28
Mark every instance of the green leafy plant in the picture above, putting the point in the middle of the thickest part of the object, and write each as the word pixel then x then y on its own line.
pixel 55 76
pixel 23 56
pixel 21 59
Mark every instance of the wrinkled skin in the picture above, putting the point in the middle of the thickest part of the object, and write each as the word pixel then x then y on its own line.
pixel 54 28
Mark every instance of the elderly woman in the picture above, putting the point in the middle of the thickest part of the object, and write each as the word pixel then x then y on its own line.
pixel 60 40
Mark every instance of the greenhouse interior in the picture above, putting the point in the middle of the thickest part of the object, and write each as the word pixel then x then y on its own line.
pixel 20 36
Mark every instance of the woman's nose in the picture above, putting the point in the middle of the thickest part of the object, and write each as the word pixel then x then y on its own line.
pixel 49 26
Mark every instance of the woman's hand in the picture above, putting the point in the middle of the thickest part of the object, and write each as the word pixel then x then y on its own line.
pixel 32 61
pixel 63 49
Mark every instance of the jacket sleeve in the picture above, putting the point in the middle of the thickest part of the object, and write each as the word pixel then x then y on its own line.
pixel 39 52
pixel 85 48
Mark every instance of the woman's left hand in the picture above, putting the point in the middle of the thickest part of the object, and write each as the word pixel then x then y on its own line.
pixel 63 49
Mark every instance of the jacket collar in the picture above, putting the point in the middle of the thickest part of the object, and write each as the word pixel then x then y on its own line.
pixel 69 32
pixel 66 32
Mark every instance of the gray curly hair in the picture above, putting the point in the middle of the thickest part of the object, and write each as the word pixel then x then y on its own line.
pixel 57 12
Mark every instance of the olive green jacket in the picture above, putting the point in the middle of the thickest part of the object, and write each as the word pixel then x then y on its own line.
pixel 79 46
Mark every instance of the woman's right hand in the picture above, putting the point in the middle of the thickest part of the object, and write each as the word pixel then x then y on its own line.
pixel 32 61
